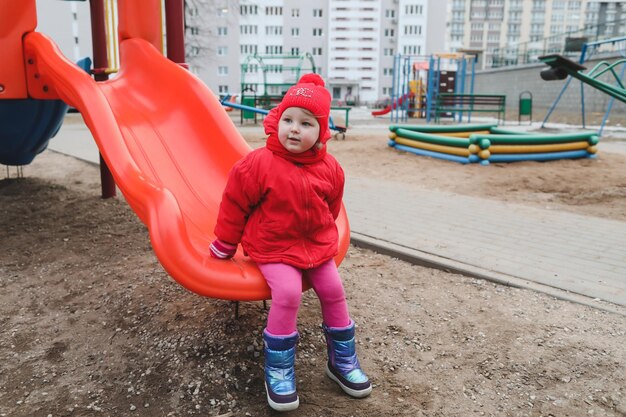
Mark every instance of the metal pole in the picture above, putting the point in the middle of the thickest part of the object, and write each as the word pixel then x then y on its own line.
pixel 460 86
pixel 581 60
pixel 175 31
pixel 430 92
pixel 393 116
pixel 610 106
pixel 583 56
pixel 100 64
pixel 404 93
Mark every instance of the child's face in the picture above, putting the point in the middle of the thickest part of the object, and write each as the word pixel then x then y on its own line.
pixel 298 130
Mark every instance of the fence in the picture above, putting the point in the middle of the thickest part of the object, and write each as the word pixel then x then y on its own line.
pixel 567 44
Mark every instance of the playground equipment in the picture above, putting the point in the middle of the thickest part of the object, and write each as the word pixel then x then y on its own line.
pixel 26 126
pixel 423 79
pixel 407 91
pixel 267 94
pixel 341 130
pixel 561 68
pixel 487 143
pixel 161 131
pixel 393 105
pixel 230 99
pixel 438 68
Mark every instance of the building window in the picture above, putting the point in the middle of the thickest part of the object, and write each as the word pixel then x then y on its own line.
pixel 248 49
pixel 250 68
pixel 273 11
pixel 316 51
pixel 414 9
pixel 248 29
pixel 274 30
pixel 222 50
pixel 317 12
pixel 246 10
pixel 413 30
pixel 317 31
pixel 273 49
pixel 295 12
pixel 412 49
pixel 222 31
pixel 222 70
pixel 295 31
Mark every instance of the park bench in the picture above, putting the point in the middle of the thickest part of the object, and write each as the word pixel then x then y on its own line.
pixel 448 104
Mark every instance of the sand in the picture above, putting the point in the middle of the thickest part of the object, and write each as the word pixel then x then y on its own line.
pixel 91 325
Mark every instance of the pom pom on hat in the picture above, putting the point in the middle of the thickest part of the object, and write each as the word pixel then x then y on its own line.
pixel 311 79
pixel 309 93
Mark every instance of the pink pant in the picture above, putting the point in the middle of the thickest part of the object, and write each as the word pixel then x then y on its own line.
pixel 285 281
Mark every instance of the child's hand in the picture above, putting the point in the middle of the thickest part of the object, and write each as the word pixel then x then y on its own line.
pixel 222 250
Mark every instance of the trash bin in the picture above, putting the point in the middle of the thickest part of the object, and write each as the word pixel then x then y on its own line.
pixel 250 102
pixel 525 106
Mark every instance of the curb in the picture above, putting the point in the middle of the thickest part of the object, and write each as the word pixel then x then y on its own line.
pixel 434 261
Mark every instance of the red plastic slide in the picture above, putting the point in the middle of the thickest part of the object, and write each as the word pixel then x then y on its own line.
pixel 170 145
pixel 387 109
pixel 382 112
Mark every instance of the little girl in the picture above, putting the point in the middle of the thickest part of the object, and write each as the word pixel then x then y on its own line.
pixel 281 203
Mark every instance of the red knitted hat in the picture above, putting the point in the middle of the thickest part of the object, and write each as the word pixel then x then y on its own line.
pixel 309 93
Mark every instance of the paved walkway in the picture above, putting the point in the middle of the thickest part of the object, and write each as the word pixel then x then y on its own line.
pixel 563 254
pixel 573 257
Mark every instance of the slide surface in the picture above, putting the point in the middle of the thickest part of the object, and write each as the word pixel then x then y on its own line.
pixel 170 145
pixel 381 112
pixel 389 107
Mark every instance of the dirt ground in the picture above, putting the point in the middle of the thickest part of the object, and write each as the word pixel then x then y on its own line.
pixel 91 325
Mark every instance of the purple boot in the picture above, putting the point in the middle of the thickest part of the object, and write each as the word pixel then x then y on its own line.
pixel 343 365
pixel 280 375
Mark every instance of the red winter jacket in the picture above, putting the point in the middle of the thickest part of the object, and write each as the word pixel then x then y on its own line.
pixel 281 211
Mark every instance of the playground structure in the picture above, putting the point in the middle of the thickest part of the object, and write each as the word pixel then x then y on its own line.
pixel 340 130
pixel 159 129
pixel 229 99
pixel 486 143
pixel 394 104
pixel 562 68
pixel 26 126
pixel 268 94
pixel 418 81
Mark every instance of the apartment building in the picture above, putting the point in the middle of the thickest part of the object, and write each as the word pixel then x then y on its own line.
pixel 491 26
pixel 68 24
pixel 262 46
pixel 364 36
pixel 350 42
